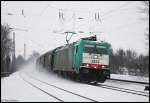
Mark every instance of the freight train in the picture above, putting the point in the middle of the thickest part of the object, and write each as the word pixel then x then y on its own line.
pixel 84 60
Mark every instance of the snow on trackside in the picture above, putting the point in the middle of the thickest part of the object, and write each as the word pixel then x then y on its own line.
pixel 15 89
pixel 129 77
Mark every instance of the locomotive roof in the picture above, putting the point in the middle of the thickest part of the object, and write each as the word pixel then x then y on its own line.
pixel 65 46
pixel 94 42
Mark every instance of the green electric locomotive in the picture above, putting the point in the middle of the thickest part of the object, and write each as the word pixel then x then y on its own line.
pixel 84 60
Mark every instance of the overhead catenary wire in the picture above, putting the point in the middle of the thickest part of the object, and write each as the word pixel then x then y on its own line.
pixel 88 12
pixel 117 8
pixel 126 26
pixel 111 11
pixel 104 15
pixel 42 12
pixel 70 10
pixel 49 5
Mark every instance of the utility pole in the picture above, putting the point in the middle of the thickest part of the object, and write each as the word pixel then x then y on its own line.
pixel 14 44
pixel 13 54
pixel 24 51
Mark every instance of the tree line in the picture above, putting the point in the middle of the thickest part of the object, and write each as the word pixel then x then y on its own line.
pixel 128 62
pixel 6 49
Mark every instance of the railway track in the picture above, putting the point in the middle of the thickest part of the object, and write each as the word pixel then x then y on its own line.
pixel 41 89
pixel 45 83
pixel 129 81
pixel 121 89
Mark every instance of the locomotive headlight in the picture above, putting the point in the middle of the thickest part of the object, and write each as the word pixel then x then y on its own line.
pixel 103 66
pixel 87 65
pixel 95 56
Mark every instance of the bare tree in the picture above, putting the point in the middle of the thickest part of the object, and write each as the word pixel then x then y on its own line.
pixel 6 47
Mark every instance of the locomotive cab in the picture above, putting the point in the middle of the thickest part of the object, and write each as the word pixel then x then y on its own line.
pixel 93 60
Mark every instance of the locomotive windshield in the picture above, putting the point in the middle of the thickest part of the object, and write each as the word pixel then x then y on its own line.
pixel 95 49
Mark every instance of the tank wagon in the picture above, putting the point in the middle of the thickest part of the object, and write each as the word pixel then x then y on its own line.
pixel 84 60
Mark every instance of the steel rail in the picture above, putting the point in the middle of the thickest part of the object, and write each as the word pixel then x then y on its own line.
pixel 63 89
pixel 118 89
pixel 41 89
pixel 129 81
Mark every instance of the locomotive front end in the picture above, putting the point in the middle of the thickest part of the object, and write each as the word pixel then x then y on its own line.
pixel 95 61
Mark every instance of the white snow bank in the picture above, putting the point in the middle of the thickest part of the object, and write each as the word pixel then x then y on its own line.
pixel 129 77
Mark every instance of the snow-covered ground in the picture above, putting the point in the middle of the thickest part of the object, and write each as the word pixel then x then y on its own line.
pixel 14 88
pixel 129 77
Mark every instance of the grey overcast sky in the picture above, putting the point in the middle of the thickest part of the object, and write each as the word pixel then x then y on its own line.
pixel 119 23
